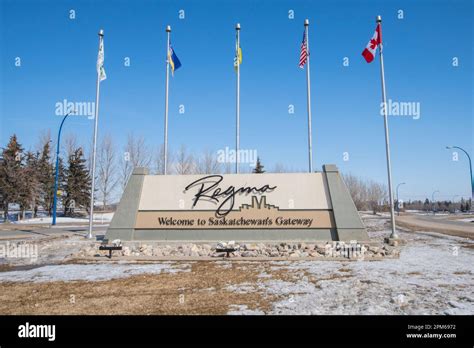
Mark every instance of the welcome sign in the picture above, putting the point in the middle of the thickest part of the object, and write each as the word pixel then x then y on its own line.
pixel 292 206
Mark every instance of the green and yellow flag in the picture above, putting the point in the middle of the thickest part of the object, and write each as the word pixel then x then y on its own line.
pixel 238 55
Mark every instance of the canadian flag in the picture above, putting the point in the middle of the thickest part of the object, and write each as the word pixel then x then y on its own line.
pixel 369 52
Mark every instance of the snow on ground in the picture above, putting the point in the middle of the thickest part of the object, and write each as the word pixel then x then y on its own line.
pixel 428 279
pixel 469 220
pixel 41 250
pixel 422 212
pixel 434 275
pixel 98 217
pixel 243 310
pixel 90 272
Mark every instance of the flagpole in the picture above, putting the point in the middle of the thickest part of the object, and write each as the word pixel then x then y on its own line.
pixel 165 164
pixel 94 145
pixel 237 143
pixel 387 140
pixel 308 86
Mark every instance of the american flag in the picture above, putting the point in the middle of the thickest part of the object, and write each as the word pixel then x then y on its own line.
pixel 304 53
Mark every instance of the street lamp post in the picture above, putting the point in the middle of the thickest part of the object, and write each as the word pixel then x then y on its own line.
pixel 398 200
pixel 55 193
pixel 432 201
pixel 470 169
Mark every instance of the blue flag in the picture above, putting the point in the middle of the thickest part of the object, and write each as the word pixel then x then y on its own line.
pixel 173 59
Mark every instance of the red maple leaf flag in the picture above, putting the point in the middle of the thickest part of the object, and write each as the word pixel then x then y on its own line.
pixel 371 49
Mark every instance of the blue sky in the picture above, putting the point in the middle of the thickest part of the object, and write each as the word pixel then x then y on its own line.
pixel 58 57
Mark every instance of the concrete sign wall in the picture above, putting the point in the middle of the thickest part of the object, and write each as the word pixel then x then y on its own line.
pixel 293 206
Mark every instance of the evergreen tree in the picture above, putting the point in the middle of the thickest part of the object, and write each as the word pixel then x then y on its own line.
pixel 258 167
pixel 46 172
pixel 62 181
pixel 426 205
pixel 463 207
pixel 78 183
pixel 11 175
pixel 29 188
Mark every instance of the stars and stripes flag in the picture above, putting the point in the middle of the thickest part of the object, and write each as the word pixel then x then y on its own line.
pixel 371 49
pixel 304 52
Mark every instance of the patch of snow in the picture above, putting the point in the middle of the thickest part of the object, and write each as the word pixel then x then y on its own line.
pixel 89 272
pixel 243 288
pixel 98 217
pixel 469 220
pixel 429 278
pixel 243 310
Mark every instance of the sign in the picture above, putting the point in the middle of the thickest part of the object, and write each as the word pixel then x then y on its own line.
pixel 291 206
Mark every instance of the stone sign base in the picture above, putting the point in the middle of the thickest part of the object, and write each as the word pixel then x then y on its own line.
pixel 323 251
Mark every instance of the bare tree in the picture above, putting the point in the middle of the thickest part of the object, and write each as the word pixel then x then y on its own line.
pixel 43 138
pixel 126 168
pixel 185 163
pixel 366 194
pixel 357 189
pixel 280 168
pixel 228 168
pixel 208 164
pixel 106 176
pixel 140 154
pixel 70 144
pixel 136 154
pixel 246 169
pixel 376 195
pixel 159 160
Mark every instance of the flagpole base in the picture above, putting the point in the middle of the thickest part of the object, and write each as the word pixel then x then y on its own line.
pixel 394 241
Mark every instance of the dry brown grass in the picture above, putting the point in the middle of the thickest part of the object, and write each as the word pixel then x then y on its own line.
pixel 467 246
pixel 345 270
pixel 5 268
pixel 201 291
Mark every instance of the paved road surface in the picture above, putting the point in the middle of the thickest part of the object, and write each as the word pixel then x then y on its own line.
pixel 30 231
pixel 437 223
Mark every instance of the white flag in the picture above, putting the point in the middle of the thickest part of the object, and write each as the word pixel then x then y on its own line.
pixel 100 61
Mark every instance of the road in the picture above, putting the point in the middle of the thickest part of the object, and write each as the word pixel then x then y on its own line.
pixel 14 231
pixel 438 223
